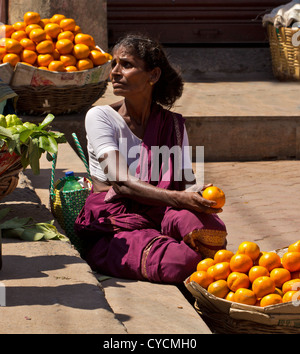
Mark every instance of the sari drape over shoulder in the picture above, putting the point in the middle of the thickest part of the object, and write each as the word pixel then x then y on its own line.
pixel 134 240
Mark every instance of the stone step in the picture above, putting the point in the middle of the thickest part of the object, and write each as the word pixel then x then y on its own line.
pixel 240 120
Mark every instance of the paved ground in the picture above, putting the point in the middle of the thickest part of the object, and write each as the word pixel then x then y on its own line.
pixel 51 290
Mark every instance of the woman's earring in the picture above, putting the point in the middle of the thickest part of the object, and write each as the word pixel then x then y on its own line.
pixel 151 83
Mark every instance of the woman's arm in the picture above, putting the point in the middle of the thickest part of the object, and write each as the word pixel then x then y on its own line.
pixel 117 173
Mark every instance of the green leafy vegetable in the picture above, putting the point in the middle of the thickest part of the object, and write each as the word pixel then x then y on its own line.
pixel 29 140
pixel 26 229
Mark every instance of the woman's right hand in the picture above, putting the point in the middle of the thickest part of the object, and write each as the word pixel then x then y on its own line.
pixel 194 201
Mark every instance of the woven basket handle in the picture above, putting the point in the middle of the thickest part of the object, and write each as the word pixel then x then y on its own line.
pixel 82 156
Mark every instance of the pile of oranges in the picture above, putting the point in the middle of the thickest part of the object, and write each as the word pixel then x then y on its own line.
pixel 250 276
pixel 55 44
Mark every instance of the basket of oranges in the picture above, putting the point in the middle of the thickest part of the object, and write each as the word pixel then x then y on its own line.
pixel 249 291
pixel 57 68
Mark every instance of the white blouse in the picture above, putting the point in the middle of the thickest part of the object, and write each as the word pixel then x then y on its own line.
pixel 107 130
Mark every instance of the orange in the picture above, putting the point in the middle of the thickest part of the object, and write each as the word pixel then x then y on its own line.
pixel 68 60
pixel 263 286
pixel 52 29
pixel 241 263
pixel 223 256
pixel 18 35
pixel 57 18
pixel 97 57
pixel 278 291
pixel 56 54
pixel 237 280
pixel 81 51
pixel 256 272
pixel 2 53
pixel 43 68
pixel 66 35
pixel 77 30
pixel 30 28
pixel 271 299
pixel 11 58
pixel 108 56
pixel 291 261
pixel 280 276
pixel 291 295
pixel 221 270
pixel 6 31
pixel 230 296
pixel 13 46
pixel 202 278
pixel 19 26
pixel 71 68
pixel 56 65
pixel 27 43
pixel 45 47
pixel 37 35
pixel 293 284
pixel 44 60
pixel 32 17
pixel 205 264
pixel 84 64
pixel 270 260
pixel 294 247
pixel 86 39
pixel 244 296
pixel 67 24
pixel 64 46
pixel 210 270
pixel 249 248
pixel 218 288
pixel 214 193
pixel 23 62
pixel 28 56
pixel 44 22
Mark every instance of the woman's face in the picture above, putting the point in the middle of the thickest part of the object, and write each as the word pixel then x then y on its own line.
pixel 128 75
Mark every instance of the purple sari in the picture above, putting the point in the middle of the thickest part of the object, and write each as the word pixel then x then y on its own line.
pixel 132 240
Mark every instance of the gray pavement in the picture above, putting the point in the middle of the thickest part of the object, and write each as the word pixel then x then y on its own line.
pixel 50 289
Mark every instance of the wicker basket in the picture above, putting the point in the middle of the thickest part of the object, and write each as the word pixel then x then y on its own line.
pixel 57 100
pixel 285 56
pixel 11 166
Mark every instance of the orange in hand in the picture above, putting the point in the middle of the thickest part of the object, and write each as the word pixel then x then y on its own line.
pixel 216 194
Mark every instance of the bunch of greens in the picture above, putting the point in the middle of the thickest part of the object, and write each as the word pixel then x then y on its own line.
pixel 26 229
pixel 29 140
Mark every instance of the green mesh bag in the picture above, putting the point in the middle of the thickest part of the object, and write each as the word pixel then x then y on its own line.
pixel 66 206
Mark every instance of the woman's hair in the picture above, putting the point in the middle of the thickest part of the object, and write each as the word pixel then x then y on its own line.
pixel 169 87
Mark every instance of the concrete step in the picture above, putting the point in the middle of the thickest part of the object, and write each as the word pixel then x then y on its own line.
pixel 239 120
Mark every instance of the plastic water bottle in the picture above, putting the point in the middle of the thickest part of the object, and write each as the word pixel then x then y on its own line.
pixel 71 183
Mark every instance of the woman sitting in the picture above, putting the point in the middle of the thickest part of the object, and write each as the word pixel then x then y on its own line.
pixel 143 219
